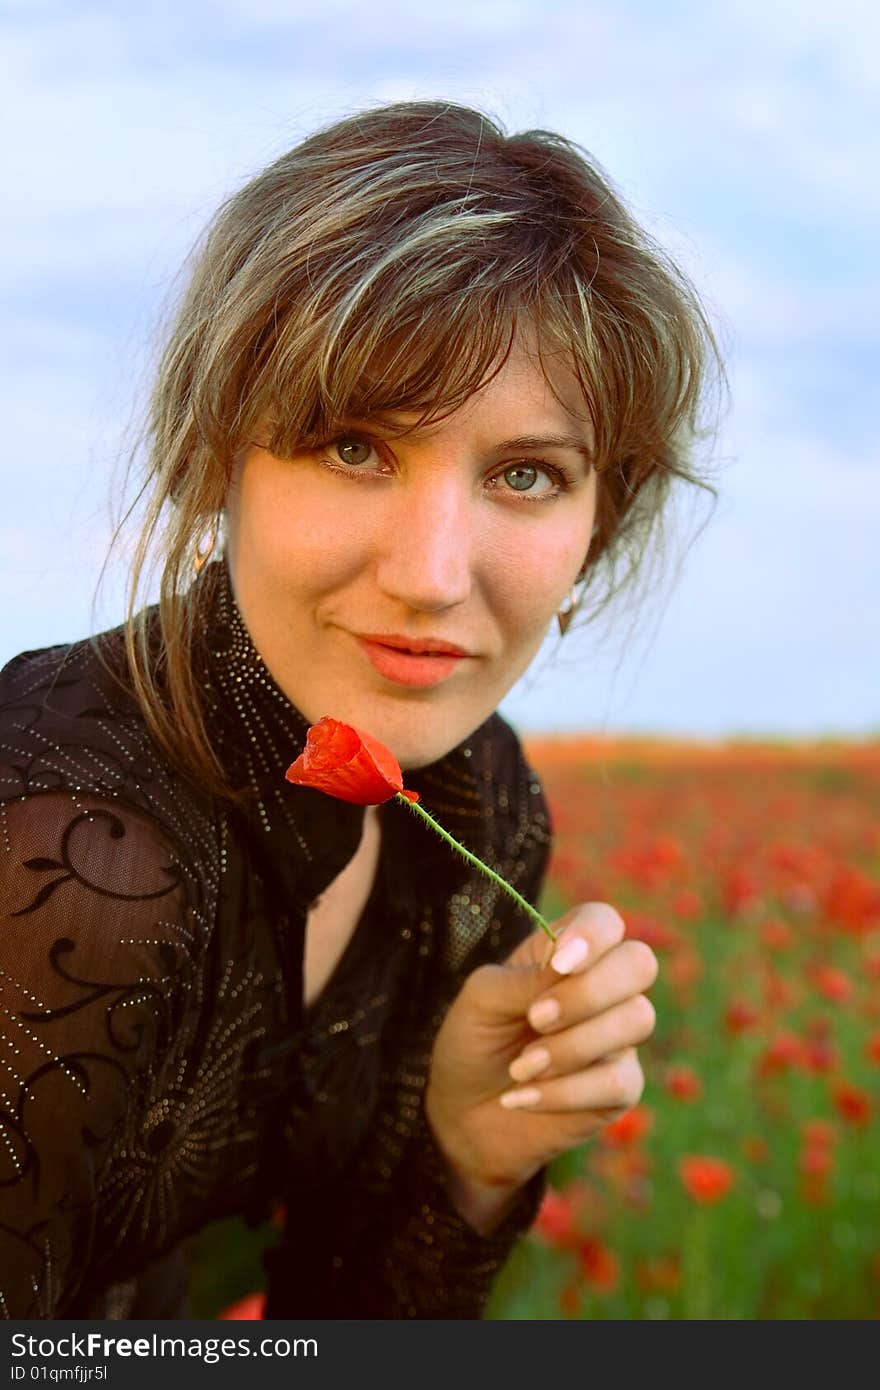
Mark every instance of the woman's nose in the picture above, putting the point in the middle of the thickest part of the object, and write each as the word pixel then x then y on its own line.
pixel 427 545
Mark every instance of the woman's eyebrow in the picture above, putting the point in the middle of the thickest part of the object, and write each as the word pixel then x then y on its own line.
pixel 521 441
pixel 546 441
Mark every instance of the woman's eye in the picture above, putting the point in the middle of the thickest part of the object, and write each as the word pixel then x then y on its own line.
pixel 354 451
pixel 521 476
pixel 351 448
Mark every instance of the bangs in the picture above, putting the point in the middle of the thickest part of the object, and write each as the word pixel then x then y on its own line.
pixel 413 321
pixel 428 367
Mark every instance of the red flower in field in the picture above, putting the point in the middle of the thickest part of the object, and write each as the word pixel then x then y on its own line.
pixel 740 892
pixel 248 1309
pixel 565 1211
pixel 820 1055
pixel 832 983
pixel 641 927
pixel 598 1265
pixel 778 992
pixel 872 1048
pixel 784 1052
pixel 851 1103
pixel 687 905
pixel 684 968
pixel 816 1162
pixel 631 1128
pixel 777 935
pixel 818 1134
pixel 706 1180
pixel 348 764
pixel 740 1017
pixel 625 1171
pixel 852 900
pixel 556 1223
pixel 682 1082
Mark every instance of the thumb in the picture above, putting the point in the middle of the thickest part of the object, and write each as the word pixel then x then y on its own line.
pixel 507 990
pixel 537 948
pixel 504 993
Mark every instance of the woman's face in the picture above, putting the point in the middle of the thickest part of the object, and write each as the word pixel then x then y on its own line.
pixel 463 533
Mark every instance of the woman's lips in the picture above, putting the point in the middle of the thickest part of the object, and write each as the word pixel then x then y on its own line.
pixel 408 669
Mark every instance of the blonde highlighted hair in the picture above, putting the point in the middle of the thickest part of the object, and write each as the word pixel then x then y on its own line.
pixel 385 263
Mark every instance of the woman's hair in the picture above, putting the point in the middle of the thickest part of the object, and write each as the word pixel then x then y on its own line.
pixel 385 264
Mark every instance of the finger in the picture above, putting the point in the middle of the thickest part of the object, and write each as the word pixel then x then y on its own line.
pixel 599 925
pixel 624 1026
pixel 612 1084
pixel 627 969
pixel 506 991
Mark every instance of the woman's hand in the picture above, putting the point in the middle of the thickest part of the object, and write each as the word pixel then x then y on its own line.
pixel 494 1032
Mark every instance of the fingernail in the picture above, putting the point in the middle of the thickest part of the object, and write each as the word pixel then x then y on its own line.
pixel 569 955
pixel 529 1064
pixel 546 1011
pixel 512 1100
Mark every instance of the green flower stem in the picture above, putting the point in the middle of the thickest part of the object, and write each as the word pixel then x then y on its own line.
pixel 478 863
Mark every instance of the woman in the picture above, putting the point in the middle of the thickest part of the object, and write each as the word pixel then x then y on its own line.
pixel 423 379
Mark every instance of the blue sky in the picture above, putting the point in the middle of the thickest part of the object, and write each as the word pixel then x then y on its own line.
pixel 744 136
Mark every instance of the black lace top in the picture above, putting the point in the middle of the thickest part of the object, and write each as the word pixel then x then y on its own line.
pixel 159 1070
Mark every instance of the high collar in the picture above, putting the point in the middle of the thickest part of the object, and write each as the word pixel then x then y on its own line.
pixel 305 837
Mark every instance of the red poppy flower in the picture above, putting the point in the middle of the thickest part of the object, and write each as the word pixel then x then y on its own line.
pixel 820 1054
pixel 833 984
pixel 348 764
pixel 684 969
pixel 687 905
pixel 816 1162
pixel 599 1265
pixel 852 900
pixel 629 1129
pixel 705 1180
pixel 740 1016
pixel 247 1309
pixel 682 1082
pixel 785 1051
pixel 556 1222
pixel 654 933
pixel 777 934
pixel 818 1134
pixel 851 1103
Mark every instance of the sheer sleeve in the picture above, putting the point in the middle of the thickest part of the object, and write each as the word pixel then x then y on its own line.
pixel 92 922
pixel 387 1241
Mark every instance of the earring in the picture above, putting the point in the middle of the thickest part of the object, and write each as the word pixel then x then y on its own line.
pixel 203 555
pixel 565 615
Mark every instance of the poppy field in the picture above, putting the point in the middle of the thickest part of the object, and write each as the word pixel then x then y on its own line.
pixel 746 1184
